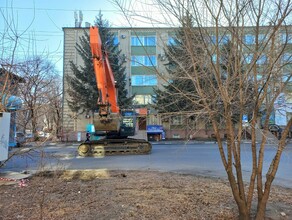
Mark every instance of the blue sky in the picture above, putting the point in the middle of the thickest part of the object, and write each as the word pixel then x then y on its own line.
pixel 39 23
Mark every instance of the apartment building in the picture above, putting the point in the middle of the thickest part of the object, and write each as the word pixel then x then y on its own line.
pixel 142 48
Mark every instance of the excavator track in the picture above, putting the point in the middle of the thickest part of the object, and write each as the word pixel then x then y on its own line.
pixel 127 146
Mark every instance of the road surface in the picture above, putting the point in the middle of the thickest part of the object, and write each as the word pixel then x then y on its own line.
pixel 192 158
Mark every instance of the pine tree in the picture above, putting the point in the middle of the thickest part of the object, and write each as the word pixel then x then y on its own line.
pixel 82 84
pixel 228 66
pixel 179 94
pixel 82 87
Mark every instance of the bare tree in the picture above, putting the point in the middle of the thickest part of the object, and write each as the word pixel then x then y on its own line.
pixel 37 92
pixel 53 110
pixel 246 78
pixel 10 42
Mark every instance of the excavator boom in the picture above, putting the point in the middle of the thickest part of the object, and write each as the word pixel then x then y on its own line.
pixel 107 117
pixel 103 72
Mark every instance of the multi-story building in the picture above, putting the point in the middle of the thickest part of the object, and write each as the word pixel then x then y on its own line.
pixel 143 49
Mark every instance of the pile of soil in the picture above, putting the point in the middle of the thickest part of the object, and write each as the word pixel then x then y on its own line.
pixel 102 194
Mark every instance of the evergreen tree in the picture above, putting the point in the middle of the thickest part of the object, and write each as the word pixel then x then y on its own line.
pixel 179 94
pixel 82 84
pixel 228 66
pixel 82 87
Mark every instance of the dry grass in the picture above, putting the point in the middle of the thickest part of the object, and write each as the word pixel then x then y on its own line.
pixel 103 194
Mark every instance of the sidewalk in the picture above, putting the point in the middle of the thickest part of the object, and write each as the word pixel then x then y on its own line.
pixel 170 142
pixel 162 142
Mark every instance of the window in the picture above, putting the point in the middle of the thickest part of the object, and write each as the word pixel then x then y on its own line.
pixel 286 77
pixel 144 80
pixel 144 60
pixel 214 58
pixel 149 41
pixel 287 38
pixel 171 41
pixel 176 120
pixel 137 61
pixel 222 39
pixel 143 99
pixel 143 41
pixel 259 77
pixel 287 58
pixel 225 39
pixel 262 60
pixel 150 61
pixel 116 40
pixel 249 39
pixel 135 41
pixel 248 58
pixel 261 37
pixel 213 39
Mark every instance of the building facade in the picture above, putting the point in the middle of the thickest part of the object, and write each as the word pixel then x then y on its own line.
pixel 143 51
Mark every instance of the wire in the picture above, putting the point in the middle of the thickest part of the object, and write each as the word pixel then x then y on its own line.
pixel 63 9
pixel 59 9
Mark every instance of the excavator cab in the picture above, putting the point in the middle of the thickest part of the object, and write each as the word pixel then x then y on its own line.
pixel 128 123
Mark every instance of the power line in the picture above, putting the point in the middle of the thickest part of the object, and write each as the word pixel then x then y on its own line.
pixel 37 31
pixel 70 10
pixel 60 9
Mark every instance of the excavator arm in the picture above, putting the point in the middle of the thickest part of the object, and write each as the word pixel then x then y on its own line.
pixel 107 118
pixel 103 73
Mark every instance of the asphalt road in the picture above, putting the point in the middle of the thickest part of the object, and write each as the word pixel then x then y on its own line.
pixel 191 158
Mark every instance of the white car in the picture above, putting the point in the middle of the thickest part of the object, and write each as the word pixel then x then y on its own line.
pixel 19 138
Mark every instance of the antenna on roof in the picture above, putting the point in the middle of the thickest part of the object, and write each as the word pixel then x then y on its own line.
pixel 78 19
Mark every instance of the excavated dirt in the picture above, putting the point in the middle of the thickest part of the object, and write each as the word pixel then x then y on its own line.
pixel 101 194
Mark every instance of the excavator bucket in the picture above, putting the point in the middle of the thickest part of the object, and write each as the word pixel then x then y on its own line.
pixel 109 123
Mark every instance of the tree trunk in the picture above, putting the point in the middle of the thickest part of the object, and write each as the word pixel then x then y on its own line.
pixel 243 210
pixel 243 213
pixel 261 210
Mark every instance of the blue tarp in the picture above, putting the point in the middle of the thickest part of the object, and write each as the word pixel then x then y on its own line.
pixel 154 129
pixel 12 103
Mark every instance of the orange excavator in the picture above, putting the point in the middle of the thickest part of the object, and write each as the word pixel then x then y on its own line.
pixel 116 124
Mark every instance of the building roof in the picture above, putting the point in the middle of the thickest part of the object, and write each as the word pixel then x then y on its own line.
pixel 12 75
pixel 168 28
